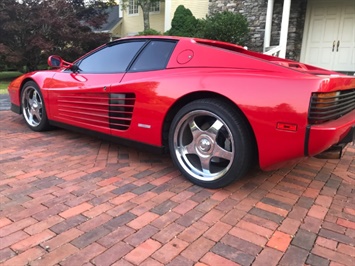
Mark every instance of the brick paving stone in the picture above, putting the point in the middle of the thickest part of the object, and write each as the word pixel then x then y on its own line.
pixel 90 237
pixel 233 217
pixel 198 249
pixel 190 234
pixel 214 259
pixel 32 241
pixel 232 254
pixel 83 255
pixel 56 256
pixel 13 238
pixel 142 220
pixel 311 224
pixel 168 233
pixel 26 257
pixel 165 219
pixel 44 224
pixel 189 218
pixel 254 228
pixel 170 250
pixel 142 252
pixel 304 239
pixel 337 237
pixel 61 239
pixel 267 215
pixel 112 254
pixel 178 261
pixel 289 226
pixel 279 241
pixel 260 221
pixel 141 235
pixel 248 236
pixel 327 243
pixel 217 231
pixel 241 245
pixel 269 255
pixel 6 254
pixel 332 255
pixel 68 224
pixel 316 260
pixel 75 202
pixel 294 256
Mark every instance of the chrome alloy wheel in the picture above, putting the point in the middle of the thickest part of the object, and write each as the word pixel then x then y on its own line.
pixel 32 106
pixel 203 144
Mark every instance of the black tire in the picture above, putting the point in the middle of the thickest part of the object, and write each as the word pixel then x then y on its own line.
pixel 33 107
pixel 211 143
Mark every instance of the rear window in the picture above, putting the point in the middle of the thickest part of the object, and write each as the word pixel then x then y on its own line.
pixel 155 56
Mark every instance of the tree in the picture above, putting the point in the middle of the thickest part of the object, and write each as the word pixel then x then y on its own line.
pixel 146 6
pixel 33 29
pixel 226 26
pixel 184 23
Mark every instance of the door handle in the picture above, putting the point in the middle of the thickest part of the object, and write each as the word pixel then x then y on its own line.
pixel 333 46
pixel 338 46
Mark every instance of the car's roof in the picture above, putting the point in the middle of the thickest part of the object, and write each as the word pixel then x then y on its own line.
pixel 192 39
pixel 281 63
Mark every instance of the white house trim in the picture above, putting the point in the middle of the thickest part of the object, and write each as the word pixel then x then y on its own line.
pixel 268 24
pixel 284 26
pixel 167 18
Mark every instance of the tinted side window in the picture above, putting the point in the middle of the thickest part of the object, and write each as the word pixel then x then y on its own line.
pixel 111 59
pixel 154 56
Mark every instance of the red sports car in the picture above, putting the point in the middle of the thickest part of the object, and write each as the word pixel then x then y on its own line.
pixel 216 107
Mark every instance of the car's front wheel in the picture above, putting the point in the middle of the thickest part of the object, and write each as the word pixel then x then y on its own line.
pixel 33 109
pixel 210 143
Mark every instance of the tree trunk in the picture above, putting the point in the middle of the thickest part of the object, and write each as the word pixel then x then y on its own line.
pixel 146 8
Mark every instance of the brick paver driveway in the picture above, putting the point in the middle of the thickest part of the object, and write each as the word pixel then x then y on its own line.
pixel 68 199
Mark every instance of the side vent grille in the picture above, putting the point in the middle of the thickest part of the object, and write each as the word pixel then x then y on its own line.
pixel 121 110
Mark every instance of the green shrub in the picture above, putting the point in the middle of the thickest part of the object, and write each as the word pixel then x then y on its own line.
pixel 149 32
pixel 184 23
pixel 226 26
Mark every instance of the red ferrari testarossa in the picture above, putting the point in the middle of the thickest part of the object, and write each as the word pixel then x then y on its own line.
pixel 216 107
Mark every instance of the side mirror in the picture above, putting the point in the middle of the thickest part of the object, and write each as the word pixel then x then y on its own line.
pixel 55 61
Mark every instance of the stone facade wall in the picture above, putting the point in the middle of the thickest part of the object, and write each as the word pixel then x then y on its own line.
pixel 255 12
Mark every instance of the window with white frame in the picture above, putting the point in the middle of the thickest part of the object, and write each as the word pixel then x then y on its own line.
pixel 155 7
pixel 132 7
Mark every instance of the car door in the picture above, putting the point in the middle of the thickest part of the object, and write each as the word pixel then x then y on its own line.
pixel 82 99
pixel 136 108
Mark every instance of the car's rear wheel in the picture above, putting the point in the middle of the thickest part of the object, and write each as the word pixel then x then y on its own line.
pixel 210 143
pixel 33 109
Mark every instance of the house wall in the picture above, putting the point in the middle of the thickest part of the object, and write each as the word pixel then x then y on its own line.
pixel 132 24
pixel 199 8
pixel 255 12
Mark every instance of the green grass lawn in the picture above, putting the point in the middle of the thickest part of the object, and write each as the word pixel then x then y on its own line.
pixel 5 79
pixel 3 86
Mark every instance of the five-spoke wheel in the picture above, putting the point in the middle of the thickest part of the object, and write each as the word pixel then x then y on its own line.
pixel 209 142
pixel 33 109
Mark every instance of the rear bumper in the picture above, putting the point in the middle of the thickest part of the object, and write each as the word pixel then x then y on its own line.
pixel 322 137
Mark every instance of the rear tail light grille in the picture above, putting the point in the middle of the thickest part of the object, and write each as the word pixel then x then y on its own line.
pixel 330 106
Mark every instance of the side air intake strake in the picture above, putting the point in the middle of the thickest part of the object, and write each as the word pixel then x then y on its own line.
pixel 98 109
pixel 121 110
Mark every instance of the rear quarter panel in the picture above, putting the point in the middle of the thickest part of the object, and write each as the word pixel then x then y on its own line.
pixel 265 98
